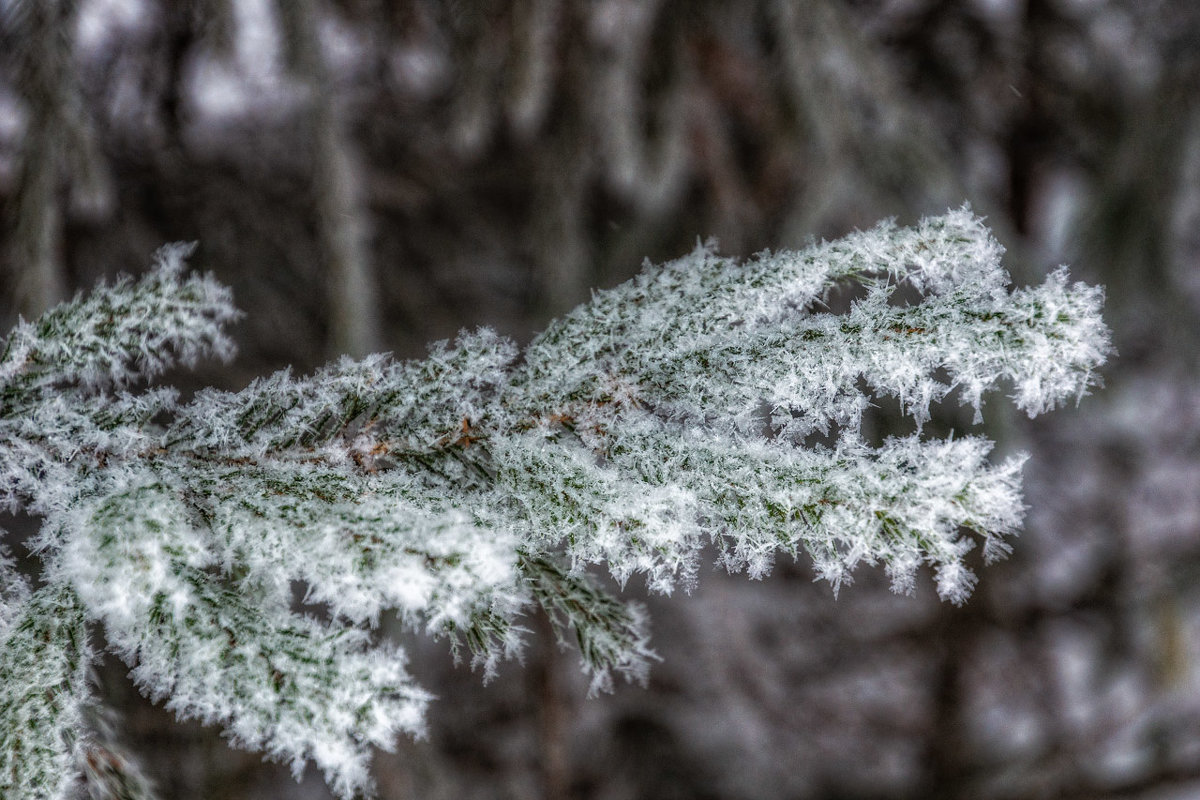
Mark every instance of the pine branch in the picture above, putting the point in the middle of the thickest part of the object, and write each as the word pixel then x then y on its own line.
pixel 120 334
pixel 462 491
pixel 44 692
pixel 227 649
pixel 612 636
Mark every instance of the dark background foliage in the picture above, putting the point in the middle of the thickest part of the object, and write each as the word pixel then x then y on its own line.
pixel 373 175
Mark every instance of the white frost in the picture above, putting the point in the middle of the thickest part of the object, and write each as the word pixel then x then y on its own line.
pixel 456 492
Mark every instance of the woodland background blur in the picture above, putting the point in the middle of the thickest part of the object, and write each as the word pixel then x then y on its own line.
pixel 374 175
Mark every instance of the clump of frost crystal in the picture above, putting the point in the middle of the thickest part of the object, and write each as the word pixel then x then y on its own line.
pixel 463 491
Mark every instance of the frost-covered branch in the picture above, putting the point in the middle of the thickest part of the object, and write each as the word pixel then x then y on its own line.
pixel 44 691
pixel 462 492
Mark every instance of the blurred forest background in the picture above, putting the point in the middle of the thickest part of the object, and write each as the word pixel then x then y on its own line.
pixel 373 175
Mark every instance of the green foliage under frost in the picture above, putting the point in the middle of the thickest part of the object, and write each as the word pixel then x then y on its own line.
pixel 462 491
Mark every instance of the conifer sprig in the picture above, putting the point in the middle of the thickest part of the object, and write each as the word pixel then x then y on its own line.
pixel 240 550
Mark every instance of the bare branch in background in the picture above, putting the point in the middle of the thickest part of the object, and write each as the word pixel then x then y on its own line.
pixel 59 159
pixel 343 220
